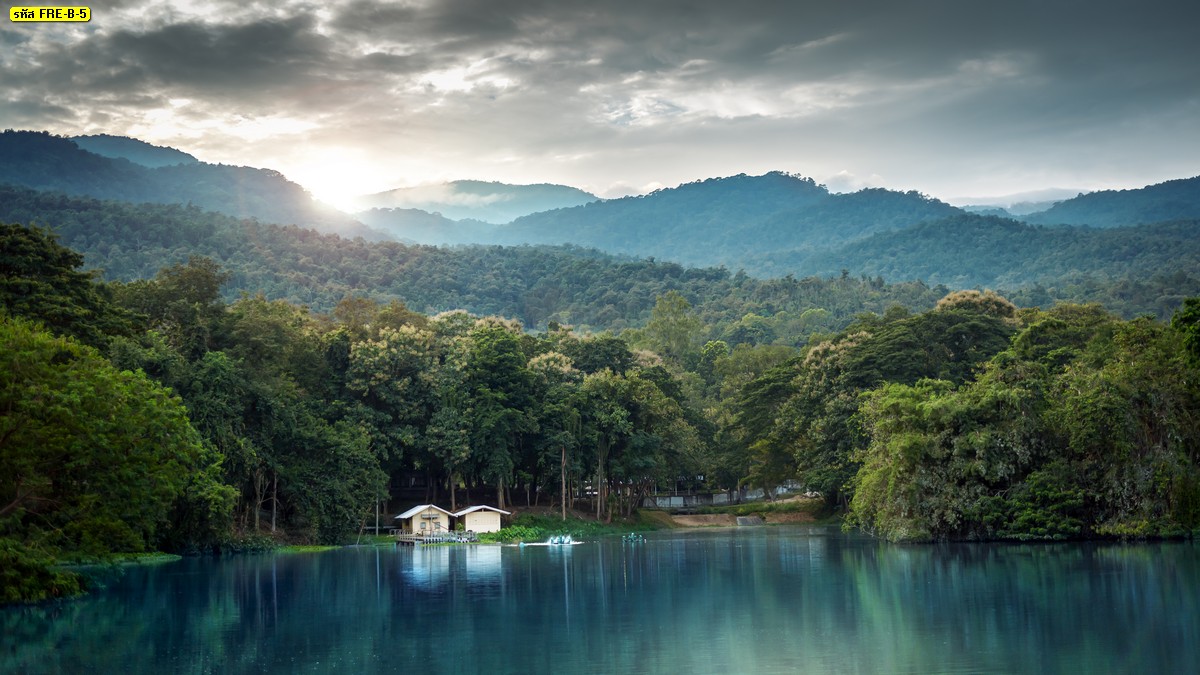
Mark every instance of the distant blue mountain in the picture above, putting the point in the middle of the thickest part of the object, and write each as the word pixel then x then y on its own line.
pixel 740 221
pixel 487 202
pixel 1172 200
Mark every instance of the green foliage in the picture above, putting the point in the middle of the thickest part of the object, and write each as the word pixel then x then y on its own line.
pixel 1085 427
pixel 27 575
pixel 533 528
pixel 1132 270
pixel 536 285
pixel 1047 505
pixel 673 331
pixel 331 478
pixel 1187 322
pixel 40 280
pixel 764 508
pixel 309 548
pixel 182 303
pixel 516 533
pixel 802 420
pixel 93 458
pixel 241 542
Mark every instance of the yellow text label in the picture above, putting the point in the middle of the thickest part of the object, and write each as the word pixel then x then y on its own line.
pixel 50 13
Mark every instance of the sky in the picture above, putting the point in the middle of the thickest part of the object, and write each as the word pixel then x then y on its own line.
pixel 954 98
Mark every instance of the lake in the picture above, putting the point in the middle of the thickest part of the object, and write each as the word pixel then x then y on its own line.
pixel 746 600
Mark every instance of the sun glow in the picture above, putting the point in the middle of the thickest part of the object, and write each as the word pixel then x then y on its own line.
pixel 337 181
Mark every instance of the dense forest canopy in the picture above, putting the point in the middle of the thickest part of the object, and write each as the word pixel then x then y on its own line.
pixel 537 285
pixel 297 421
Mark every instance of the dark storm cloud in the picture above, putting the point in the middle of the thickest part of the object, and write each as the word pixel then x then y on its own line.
pixel 1061 58
pixel 228 57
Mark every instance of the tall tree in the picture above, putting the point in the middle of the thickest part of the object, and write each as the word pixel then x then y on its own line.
pixel 499 388
pixel 41 280
pixel 673 330
pixel 91 458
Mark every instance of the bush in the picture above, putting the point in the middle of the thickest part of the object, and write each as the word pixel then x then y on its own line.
pixel 27 575
pixel 247 543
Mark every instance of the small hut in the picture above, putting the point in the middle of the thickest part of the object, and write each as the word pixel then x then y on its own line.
pixel 425 519
pixel 481 518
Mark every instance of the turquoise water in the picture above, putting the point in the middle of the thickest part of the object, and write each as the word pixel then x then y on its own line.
pixel 751 600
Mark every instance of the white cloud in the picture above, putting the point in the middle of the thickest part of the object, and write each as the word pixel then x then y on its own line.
pixel 845 181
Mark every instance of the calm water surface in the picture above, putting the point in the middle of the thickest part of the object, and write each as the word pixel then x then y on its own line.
pixel 752 600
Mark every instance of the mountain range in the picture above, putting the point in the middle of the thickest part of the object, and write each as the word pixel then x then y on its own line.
pixel 773 225
pixel 779 224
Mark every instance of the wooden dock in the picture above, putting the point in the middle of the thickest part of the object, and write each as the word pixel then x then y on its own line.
pixel 407 539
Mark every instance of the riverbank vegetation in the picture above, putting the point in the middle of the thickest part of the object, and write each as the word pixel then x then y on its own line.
pixel 816 508
pixel 158 415
pixel 539 528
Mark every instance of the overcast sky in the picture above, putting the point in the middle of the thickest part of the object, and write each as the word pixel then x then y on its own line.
pixel 950 97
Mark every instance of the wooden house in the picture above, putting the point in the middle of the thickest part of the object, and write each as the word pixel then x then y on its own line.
pixel 425 519
pixel 481 518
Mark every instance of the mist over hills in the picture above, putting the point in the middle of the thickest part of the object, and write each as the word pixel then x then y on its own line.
pixel 1170 200
pixel 489 202
pixel 415 226
pixel 1016 205
pixel 741 222
pixel 779 224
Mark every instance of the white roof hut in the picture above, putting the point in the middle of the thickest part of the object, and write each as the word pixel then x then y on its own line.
pixel 424 519
pixel 481 518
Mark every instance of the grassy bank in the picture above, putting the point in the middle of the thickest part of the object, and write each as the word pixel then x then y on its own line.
pixel 305 548
pixel 816 509
pixel 531 528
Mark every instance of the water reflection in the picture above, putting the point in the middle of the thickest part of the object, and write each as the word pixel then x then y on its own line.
pixel 763 600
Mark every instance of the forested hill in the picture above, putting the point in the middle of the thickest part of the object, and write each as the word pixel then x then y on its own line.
pixel 43 161
pixel 138 152
pixel 1172 200
pixel 733 221
pixel 534 284
pixel 985 251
